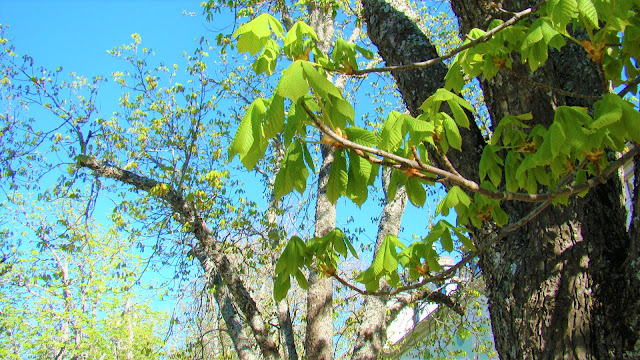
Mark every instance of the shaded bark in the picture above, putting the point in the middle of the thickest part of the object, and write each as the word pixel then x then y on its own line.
pixel 554 286
pixel 319 332
pixel 241 343
pixel 372 332
pixel 319 329
pixel 208 249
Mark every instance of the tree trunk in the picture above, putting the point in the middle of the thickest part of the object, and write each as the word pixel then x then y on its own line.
pixel 372 332
pixel 563 285
pixel 319 330
pixel 319 334
pixel 242 344
pixel 555 284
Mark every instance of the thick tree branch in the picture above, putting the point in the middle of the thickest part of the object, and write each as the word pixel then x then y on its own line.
pixel 488 35
pixel 399 162
pixel 434 296
pixel 189 215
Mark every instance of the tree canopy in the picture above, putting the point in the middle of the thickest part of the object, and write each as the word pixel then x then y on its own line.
pixel 526 124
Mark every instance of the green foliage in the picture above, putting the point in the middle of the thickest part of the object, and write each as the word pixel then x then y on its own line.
pixel 518 159
pixel 68 290
pixel 297 254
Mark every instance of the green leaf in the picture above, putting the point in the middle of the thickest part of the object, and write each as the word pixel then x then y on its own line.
pixel 556 138
pixel 454 80
pixel 338 176
pixel 250 142
pixel 391 135
pixel 389 253
pixel 490 163
pixel 446 241
pixel 294 41
pixel 499 216
pixel 563 12
pixel 268 58
pixel 293 172
pixel 454 197
pixel 281 286
pixel 292 84
pixel 344 55
pixel 302 280
pixel 416 192
pixel 451 131
pixel 606 111
pixel 588 11
pixel 253 35
pixel 359 175
pixel 512 162
pixel 308 158
pixel 274 123
pixel 631 121
pixel 361 136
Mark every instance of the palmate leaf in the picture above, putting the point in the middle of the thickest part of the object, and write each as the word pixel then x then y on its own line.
pixel 385 263
pixel 293 172
pixel 253 35
pixel 250 141
pixel 455 197
pixel 588 11
pixel 338 176
pixel 294 41
pixel 293 257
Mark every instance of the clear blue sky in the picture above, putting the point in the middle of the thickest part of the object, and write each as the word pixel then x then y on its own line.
pixel 76 34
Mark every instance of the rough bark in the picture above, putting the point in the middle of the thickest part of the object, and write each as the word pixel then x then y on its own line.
pixel 209 250
pixel 319 332
pixel 319 329
pixel 241 343
pixel 554 286
pixel 372 332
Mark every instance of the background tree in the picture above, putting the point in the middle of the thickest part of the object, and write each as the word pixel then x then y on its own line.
pixel 69 288
pixel 553 273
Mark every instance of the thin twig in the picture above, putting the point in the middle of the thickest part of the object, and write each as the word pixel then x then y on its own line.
pixel 424 64
pixel 630 85
pixel 399 162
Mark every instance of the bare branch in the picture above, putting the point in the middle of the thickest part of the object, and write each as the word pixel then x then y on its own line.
pixel 189 215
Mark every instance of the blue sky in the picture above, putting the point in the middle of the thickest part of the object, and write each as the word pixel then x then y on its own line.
pixel 76 34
